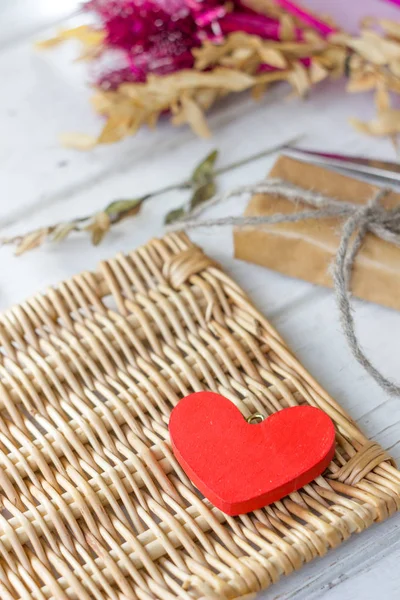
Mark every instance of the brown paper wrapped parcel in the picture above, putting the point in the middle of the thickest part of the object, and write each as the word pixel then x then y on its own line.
pixel 306 249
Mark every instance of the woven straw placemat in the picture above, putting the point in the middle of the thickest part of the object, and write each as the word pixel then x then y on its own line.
pixel 94 505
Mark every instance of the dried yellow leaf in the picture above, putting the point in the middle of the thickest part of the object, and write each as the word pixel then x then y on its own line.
pixel 206 98
pixel 152 119
pixel 386 123
pixel 356 64
pixel 287 29
pixel 272 57
pixel 299 78
pixel 271 76
pixel 241 55
pixel 299 49
pixel 101 101
pixel 62 231
pixel 394 67
pixel 317 72
pixel 240 47
pixel 340 38
pixel 391 81
pixel 376 49
pixel 31 241
pixel 228 79
pixel 115 129
pixel 209 54
pixel 98 227
pixel 333 60
pixel 78 141
pixel 84 34
pixel 390 27
pixel 362 82
pixel 382 98
pixel 191 113
pixel 258 91
pixel 312 36
pixel 49 43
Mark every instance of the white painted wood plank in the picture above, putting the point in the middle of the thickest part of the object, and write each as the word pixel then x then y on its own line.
pixel 367 583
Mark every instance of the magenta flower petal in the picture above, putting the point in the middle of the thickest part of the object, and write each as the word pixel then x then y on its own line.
pixel 252 24
pixel 208 17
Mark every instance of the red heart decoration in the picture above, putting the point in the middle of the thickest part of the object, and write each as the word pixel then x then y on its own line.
pixel 241 467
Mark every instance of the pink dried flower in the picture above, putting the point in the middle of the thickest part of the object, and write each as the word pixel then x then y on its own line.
pixel 158 36
pixel 155 36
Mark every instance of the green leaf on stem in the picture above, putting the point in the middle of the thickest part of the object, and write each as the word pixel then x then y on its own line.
pixel 205 169
pixel 203 186
pixel 174 215
pixel 202 194
pixel 120 209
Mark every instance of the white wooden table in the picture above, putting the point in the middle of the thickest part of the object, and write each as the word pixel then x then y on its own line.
pixel 44 94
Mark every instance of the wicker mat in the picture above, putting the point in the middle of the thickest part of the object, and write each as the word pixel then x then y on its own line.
pixel 94 505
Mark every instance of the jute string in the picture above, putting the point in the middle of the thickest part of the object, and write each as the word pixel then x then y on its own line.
pixel 358 220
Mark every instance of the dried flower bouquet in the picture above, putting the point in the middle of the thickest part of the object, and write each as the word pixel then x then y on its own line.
pixel 179 57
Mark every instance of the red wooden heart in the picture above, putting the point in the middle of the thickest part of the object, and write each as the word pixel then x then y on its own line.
pixel 241 467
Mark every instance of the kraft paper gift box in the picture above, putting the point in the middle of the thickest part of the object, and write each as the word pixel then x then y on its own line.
pixel 306 249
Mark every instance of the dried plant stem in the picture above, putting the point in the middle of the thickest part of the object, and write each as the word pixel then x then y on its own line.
pixel 101 221
pixel 80 223
pixel 253 157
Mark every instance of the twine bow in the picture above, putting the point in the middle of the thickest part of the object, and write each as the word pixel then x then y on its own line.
pixel 358 220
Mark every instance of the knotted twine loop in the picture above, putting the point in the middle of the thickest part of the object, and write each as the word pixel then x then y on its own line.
pixel 359 220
